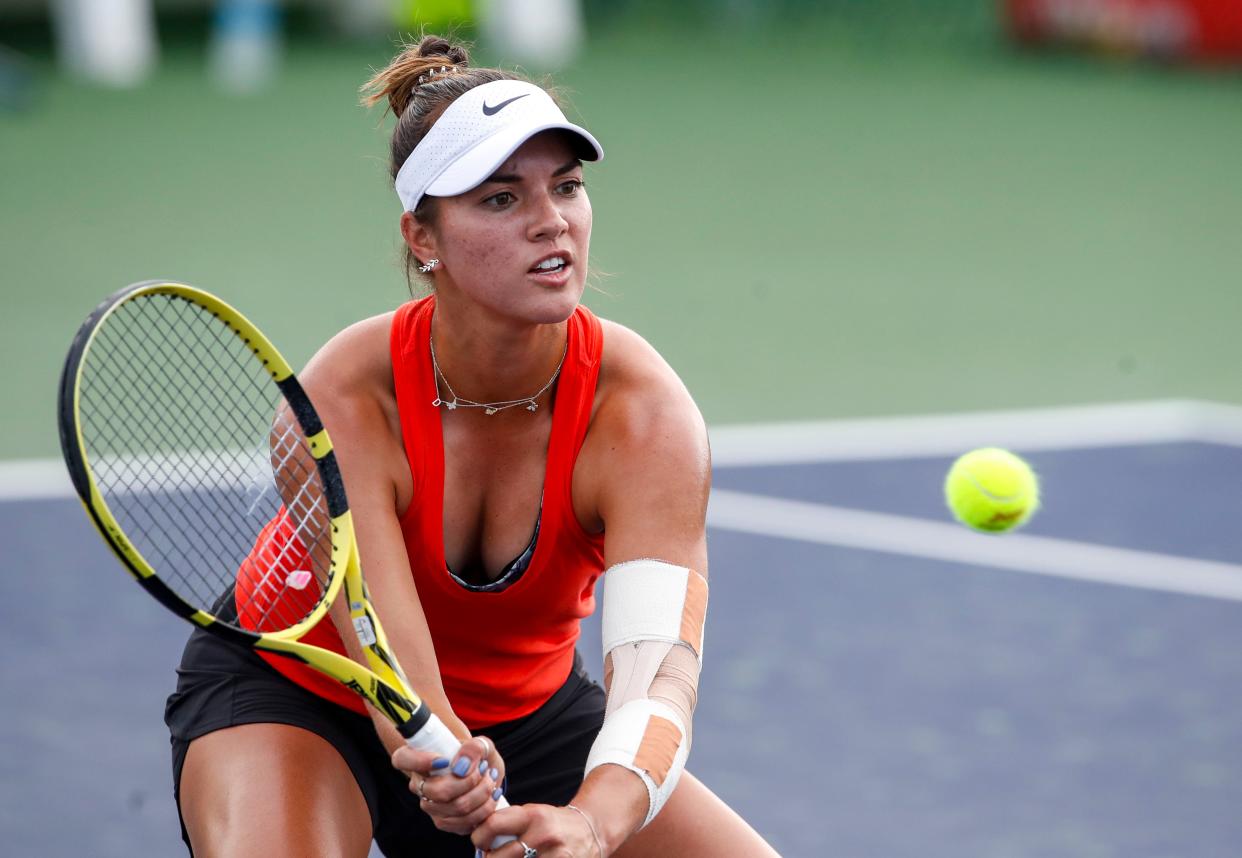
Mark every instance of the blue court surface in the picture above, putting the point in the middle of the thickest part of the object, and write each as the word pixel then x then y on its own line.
pixel 879 681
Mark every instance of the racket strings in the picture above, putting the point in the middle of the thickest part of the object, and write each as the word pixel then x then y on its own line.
pixel 189 470
pixel 294 559
pixel 127 354
pixel 197 456
pixel 191 465
pixel 135 465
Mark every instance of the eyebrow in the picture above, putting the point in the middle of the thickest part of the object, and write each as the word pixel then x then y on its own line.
pixel 513 178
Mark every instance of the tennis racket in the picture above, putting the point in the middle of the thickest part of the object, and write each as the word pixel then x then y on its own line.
pixel 204 466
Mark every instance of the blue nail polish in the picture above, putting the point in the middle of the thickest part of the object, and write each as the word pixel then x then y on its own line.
pixel 439 763
pixel 497 793
pixel 493 774
pixel 461 766
pixel 482 767
pixel 478 853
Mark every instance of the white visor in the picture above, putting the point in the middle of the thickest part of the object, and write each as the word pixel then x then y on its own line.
pixel 476 134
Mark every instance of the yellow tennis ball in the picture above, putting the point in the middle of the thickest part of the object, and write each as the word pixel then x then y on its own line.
pixel 991 489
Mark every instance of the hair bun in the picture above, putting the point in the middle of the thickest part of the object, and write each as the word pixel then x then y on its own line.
pixel 414 65
pixel 439 47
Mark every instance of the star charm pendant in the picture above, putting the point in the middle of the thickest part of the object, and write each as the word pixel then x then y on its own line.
pixel 490 411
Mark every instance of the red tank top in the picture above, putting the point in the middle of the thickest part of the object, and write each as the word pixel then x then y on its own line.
pixel 501 654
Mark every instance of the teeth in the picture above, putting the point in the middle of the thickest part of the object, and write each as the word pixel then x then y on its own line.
pixel 554 262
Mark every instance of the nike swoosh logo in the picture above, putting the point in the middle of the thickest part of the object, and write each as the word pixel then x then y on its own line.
pixel 492 111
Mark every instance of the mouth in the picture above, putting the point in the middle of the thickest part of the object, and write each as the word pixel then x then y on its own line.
pixel 553 268
pixel 553 263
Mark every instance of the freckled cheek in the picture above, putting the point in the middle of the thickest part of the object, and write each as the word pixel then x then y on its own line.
pixel 483 252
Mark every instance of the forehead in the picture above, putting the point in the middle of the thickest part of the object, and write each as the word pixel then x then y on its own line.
pixel 551 149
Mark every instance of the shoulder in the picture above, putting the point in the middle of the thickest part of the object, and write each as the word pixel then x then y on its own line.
pixel 647 456
pixel 353 358
pixel 350 378
pixel 644 410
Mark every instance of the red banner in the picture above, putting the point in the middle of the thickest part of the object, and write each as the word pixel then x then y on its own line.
pixel 1180 29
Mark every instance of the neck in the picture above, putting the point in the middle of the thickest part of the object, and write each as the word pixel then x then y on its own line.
pixel 488 359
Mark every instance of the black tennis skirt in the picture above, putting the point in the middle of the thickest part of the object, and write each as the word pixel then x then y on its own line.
pixel 220 684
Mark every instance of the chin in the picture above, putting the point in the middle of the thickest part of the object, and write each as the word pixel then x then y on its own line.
pixel 554 308
pixel 554 314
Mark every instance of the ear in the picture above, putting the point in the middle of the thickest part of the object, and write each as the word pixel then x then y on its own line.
pixel 418 237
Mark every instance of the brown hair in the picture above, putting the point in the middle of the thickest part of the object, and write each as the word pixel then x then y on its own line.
pixel 419 84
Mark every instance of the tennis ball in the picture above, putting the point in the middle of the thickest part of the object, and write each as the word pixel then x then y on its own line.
pixel 992 490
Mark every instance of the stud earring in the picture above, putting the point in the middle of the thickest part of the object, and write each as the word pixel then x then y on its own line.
pixel 429 266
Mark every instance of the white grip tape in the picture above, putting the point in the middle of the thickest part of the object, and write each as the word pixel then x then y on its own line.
pixel 653 600
pixel 439 740
pixel 647 738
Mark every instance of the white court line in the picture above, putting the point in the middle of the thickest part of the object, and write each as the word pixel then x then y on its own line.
pixel 34 479
pixel 936 435
pixel 876 438
pixel 952 434
pixel 1017 552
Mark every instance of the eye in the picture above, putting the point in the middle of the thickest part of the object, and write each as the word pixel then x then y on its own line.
pixel 570 187
pixel 499 200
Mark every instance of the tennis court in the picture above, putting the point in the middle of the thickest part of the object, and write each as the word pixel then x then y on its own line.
pixel 856 702
pixel 825 229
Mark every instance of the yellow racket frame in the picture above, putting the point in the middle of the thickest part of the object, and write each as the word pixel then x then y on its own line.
pixel 384 684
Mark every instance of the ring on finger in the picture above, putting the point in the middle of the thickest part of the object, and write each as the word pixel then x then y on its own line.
pixel 531 852
pixel 487 746
pixel 422 783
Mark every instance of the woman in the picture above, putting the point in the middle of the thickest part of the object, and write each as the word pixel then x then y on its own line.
pixel 501 448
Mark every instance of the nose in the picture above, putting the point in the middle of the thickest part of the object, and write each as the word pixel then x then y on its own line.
pixel 547 220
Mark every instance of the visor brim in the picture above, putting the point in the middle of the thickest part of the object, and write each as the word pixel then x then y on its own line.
pixel 472 168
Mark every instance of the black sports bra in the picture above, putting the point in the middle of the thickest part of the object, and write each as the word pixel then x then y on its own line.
pixel 512 571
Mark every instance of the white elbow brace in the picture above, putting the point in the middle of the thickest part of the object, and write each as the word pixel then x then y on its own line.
pixel 653 619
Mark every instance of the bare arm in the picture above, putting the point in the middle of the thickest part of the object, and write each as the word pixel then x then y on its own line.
pixel 352 376
pixel 654 505
pixel 648 461
pixel 346 381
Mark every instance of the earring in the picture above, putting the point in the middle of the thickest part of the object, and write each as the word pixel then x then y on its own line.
pixel 429 266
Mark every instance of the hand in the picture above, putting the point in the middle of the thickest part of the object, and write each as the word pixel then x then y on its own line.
pixel 457 794
pixel 552 832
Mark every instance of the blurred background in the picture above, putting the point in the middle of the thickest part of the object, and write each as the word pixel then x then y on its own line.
pixel 815 210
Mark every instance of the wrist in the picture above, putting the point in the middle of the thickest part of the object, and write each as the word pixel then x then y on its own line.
pixel 594 826
pixel 616 801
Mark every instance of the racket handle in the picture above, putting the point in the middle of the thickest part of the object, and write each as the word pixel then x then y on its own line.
pixel 439 740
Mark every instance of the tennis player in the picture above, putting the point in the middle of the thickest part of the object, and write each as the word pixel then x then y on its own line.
pixel 502 449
